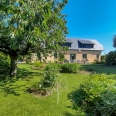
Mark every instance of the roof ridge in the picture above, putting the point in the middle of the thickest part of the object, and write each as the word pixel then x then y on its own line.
pixel 80 38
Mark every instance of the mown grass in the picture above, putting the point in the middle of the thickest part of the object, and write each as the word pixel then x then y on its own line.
pixel 99 68
pixel 15 101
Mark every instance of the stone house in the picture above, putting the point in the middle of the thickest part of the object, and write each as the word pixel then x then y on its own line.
pixel 83 50
pixel 80 50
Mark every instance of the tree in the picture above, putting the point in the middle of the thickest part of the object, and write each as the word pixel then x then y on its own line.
pixel 30 26
pixel 114 41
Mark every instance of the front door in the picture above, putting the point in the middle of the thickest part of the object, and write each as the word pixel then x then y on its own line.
pixel 72 57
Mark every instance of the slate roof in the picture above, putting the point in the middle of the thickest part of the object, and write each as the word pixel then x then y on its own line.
pixel 74 45
pixel 86 42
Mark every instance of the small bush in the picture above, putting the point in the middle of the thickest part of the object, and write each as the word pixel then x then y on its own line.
pixel 37 64
pixel 52 65
pixel 96 96
pixel 103 57
pixel 69 68
pixel 103 62
pixel 48 81
pixel 96 61
pixel 50 75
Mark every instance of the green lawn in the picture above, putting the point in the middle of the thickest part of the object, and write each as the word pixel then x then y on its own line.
pixel 15 101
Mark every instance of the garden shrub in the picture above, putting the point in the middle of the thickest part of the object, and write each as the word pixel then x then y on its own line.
pixel 50 75
pixel 4 63
pixel 96 61
pixel 69 68
pixel 48 81
pixel 37 64
pixel 96 96
pixel 103 62
pixel 52 65
pixel 103 57
pixel 111 58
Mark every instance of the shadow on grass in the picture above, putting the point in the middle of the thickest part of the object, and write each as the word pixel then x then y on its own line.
pixel 22 73
pixel 8 84
pixel 26 74
pixel 98 68
pixel 68 114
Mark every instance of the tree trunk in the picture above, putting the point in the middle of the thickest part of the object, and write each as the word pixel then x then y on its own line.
pixel 13 65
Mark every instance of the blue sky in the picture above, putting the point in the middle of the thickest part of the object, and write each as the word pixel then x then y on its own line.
pixel 92 19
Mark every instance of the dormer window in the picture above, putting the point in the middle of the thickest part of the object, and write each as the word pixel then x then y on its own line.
pixel 67 44
pixel 85 44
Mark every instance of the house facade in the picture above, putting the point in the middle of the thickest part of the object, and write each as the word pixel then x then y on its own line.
pixel 80 50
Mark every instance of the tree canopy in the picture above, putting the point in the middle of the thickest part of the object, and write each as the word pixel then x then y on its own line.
pixel 31 25
pixel 114 41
